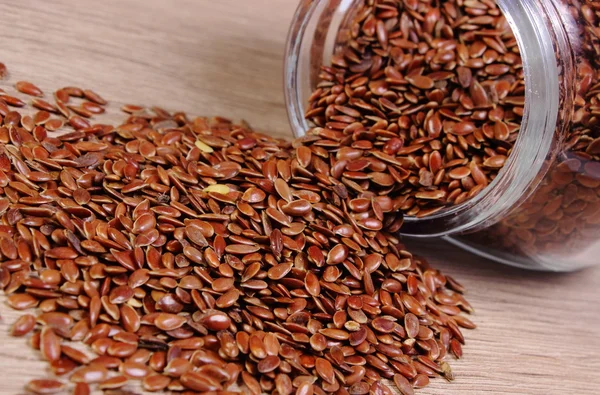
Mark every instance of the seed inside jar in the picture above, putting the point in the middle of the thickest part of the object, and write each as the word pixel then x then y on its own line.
pixel 424 97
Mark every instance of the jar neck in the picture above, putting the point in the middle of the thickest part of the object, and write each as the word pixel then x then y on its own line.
pixel 549 80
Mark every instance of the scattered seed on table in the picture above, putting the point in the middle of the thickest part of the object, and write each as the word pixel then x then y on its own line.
pixel 28 88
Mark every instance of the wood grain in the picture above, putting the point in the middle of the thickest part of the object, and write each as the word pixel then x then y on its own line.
pixel 538 332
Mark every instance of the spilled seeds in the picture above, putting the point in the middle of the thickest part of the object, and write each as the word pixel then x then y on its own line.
pixel 195 254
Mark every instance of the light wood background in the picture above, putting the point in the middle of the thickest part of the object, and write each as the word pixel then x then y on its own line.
pixel 538 333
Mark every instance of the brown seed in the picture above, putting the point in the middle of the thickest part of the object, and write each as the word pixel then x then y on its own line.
pixel 464 76
pixel 382 324
pixel 155 382
pixel 53 124
pixel 41 117
pixel 456 348
pixel 113 383
pixel 61 96
pixel 413 305
pixel 51 276
pixel 403 385
pixel 222 284
pixel 420 381
pixel 22 301
pixel 304 155
pixel 78 123
pixel 318 342
pixel 277 216
pixel 144 223
pixel 134 370
pixel 45 386
pixel 50 344
pixel 594 147
pixel 420 81
pixel 360 388
pixel 215 320
pixel 283 189
pixel 90 374
pixel 131 108
pixel 55 319
pixel 73 91
pixel 501 131
pixel 177 366
pixel 305 389
pixel 62 253
pixel 279 271
pixel 283 384
pixel 92 108
pixel 94 97
pixel 138 278
pixel 311 282
pixel 411 325
pixel 121 294
pixel 63 366
pixel 337 334
pixel 325 370
pixel 459 173
pixel 297 208
pixel 241 249
pixel 12 101
pixel 228 299
pixel 75 355
pixel 496 161
pixel 254 195
pixel 81 196
pixel 169 322
pixel 257 347
pixel 121 350
pixel 337 254
pixel 23 325
pixel 197 381
pixel 28 88
pixel 268 364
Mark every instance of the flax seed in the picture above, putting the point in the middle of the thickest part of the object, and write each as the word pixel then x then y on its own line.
pixel 45 386
pixel 28 88
pixel 23 325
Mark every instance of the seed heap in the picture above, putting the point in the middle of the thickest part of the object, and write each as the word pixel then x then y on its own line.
pixel 426 98
pixel 197 255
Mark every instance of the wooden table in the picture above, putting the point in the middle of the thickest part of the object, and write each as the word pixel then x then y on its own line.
pixel 538 332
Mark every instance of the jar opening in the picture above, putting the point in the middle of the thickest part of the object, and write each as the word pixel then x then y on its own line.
pixel 312 40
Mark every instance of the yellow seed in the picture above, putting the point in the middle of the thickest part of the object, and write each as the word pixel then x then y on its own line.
pixel 134 303
pixel 219 188
pixel 203 147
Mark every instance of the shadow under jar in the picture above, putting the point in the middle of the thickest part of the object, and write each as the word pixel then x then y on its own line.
pixel 542 208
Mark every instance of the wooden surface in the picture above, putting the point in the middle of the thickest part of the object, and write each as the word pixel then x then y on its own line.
pixel 538 333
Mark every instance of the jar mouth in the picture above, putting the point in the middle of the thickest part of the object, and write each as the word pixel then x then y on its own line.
pixel 526 163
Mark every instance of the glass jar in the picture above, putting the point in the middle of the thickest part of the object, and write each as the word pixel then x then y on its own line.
pixel 542 211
